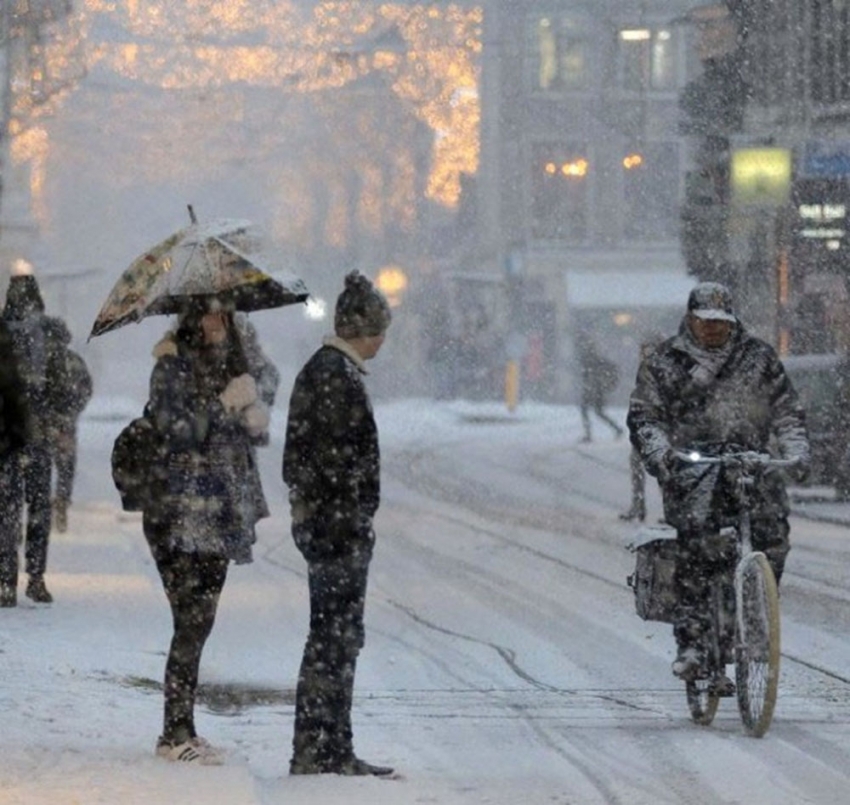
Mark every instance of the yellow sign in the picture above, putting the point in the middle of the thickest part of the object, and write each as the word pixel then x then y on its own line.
pixel 761 176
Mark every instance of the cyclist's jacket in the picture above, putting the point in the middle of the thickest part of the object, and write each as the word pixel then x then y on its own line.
pixel 734 398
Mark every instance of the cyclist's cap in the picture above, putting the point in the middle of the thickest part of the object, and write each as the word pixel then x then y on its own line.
pixel 711 300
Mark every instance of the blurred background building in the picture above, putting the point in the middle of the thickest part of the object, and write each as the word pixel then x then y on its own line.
pixel 766 208
pixel 512 173
pixel 577 195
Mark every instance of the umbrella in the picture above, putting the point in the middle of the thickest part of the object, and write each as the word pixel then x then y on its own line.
pixel 208 259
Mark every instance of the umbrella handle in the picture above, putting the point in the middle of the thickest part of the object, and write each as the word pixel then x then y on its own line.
pixel 192 217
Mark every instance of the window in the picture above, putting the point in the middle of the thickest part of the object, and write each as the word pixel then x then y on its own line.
pixel 559 53
pixel 830 51
pixel 651 192
pixel 648 59
pixel 560 174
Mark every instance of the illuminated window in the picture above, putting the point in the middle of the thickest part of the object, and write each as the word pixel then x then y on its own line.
pixel 559 52
pixel 651 192
pixel 560 176
pixel 648 58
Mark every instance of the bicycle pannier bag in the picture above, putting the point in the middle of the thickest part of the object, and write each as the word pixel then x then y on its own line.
pixel 652 581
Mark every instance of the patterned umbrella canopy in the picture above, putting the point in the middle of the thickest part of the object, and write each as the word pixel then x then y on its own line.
pixel 210 259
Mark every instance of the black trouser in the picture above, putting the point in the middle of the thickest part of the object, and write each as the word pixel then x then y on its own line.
pixel 193 584
pixel 595 405
pixel 323 735
pixel 638 478
pixel 65 460
pixel 24 484
pixel 700 560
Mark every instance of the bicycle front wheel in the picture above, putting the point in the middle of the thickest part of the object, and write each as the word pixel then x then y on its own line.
pixel 756 642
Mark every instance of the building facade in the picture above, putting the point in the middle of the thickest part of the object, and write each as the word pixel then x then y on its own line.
pixel 581 171
pixel 774 217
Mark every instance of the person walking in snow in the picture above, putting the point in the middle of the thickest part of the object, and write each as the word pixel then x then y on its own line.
pixel 39 344
pixel 13 438
pixel 599 377
pixel 637 474
pixel 713 387
pixel 331 464
pixel 62 428
pixel 206 407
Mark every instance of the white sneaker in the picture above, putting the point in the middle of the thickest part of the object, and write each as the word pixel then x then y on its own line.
pixel 195 750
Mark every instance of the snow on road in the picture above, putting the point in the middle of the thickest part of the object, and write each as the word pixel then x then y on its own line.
pixel 504 662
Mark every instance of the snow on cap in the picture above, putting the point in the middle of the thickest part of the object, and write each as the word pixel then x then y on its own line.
pixel 711 300
pixel 21 268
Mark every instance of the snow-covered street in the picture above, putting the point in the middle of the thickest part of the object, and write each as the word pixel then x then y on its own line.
pixel 504 662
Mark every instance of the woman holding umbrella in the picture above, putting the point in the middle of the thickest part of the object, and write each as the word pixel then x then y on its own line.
pixel 205 405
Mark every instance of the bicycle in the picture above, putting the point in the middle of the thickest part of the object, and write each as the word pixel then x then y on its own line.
pixel 743 608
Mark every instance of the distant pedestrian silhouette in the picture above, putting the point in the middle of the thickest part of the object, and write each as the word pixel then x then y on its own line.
pixel 599 377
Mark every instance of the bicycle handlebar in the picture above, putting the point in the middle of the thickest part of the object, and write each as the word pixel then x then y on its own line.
pixel 750 458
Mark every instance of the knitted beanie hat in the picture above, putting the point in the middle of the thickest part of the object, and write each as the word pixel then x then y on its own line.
pixel 361 309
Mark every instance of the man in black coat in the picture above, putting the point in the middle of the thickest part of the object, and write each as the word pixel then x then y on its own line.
pixel 714 388
pixel 331 464
pixel 39 343
pixel 13 436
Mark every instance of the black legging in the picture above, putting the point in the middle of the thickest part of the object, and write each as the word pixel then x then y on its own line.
pixel 193 584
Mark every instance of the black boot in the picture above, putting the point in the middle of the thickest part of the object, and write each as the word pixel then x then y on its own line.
pixel 8 595
pixel 37 590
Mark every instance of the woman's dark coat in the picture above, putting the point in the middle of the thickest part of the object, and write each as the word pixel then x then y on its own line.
pixel 210 493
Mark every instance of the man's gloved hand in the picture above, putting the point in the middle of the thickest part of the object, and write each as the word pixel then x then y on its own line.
pixel 256 418
pixel 799 473
pixel 661 464
pixel 239 393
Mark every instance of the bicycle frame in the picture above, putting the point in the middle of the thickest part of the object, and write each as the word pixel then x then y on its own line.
pixel 756 611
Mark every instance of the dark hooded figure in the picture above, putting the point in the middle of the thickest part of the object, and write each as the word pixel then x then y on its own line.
pixel 207 410
pixel 331 464
pixel 714 388
pixel 13 438
pixel 39 343
pixel 79 387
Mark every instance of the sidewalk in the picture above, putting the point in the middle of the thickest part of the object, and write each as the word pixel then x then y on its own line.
pixel 819 503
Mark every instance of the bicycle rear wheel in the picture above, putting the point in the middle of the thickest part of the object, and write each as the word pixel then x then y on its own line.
pixel 756 642
pixel 702 700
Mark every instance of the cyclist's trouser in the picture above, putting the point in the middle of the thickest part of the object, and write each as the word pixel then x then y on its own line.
pixel 702 559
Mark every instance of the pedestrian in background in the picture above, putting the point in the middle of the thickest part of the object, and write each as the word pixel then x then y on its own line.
pixel 331 464
pixel 40 345
pixel 13 437
pixel 77 387
pixel 599 377
pixel 637 509
pixel 206 408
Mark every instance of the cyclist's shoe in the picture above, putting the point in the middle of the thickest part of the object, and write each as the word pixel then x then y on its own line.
pixel 723 686
pixel 688 665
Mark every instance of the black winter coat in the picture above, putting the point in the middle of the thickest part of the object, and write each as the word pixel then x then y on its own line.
pixel 13 407
pixel 211 495
pixel 750 404
pixel 331 460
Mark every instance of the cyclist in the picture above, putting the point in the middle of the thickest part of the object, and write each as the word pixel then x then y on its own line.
pixel 715 388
